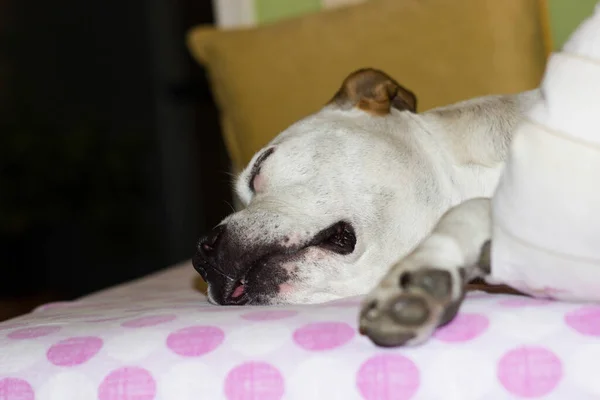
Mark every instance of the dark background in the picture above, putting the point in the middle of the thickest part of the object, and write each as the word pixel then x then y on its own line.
pixel 111 160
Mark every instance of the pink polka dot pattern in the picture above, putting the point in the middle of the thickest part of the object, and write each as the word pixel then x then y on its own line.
pixel 269 315
pixel 388 377
pixel 136 342
pixel 74 351
pixel 529 371
pixel 147 321
pixel 463 328
pixel 33 332
pixel 15 389
pixel 322 336
pixel 195 341
pixel 129 383
pixel 254 381
pixel 585 320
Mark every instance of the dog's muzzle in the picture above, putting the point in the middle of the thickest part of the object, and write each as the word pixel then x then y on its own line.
pixel 240 272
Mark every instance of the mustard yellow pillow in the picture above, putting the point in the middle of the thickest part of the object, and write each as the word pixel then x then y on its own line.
pixel 266 78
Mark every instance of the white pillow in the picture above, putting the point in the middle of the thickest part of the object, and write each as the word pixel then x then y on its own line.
pixel 546 239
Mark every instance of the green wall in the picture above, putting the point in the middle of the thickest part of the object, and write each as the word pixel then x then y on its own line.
pixel 565 16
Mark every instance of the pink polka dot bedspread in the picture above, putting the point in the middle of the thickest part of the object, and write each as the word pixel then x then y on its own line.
pixel 158 338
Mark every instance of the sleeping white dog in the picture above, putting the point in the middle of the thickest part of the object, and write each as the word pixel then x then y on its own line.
pixel 342 195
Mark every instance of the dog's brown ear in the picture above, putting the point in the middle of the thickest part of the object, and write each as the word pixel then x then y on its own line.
pixel 374 91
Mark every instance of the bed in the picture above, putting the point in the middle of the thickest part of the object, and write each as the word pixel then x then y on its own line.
pixel 158 338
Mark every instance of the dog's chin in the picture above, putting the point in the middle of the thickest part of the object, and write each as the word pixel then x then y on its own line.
pixel 255 301
pixel 250 298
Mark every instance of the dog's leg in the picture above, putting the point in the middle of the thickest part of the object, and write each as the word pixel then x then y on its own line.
pixel 425 289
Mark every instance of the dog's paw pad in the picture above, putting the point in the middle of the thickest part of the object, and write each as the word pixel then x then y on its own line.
pixel 435 282
pixel 411 312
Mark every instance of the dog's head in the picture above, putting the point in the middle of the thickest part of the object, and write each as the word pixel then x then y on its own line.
pixel 331 202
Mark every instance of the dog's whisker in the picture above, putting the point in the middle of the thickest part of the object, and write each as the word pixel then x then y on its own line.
pixel 223 274
pixel 230 206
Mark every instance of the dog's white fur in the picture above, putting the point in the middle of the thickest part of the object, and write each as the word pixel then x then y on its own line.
pixel 392 177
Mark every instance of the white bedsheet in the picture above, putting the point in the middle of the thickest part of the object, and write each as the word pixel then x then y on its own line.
pixel 158 338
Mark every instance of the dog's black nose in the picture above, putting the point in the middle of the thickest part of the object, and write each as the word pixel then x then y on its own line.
pixel 209 244
pixel 207 251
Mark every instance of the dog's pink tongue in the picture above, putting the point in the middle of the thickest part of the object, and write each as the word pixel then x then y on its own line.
pixel 238 291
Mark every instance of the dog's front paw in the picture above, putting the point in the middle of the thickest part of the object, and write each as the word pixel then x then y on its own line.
pixel 410 303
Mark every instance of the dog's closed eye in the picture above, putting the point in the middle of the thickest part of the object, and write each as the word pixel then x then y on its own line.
pixel 254 174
